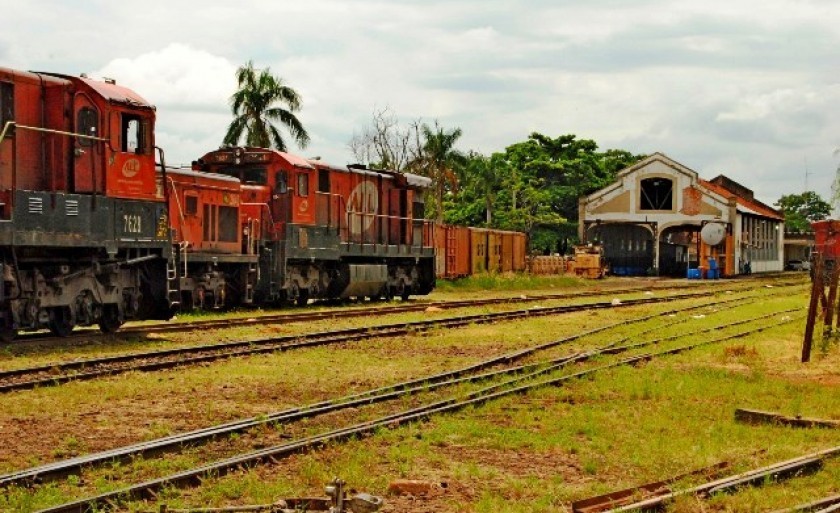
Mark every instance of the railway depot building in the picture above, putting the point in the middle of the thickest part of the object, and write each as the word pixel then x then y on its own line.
pixel 660 218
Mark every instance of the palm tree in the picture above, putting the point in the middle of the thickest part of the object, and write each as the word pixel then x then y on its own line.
pixel 438 160
pixel 254 110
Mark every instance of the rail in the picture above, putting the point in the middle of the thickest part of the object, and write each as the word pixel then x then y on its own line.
pixel 517 385
pixel 472 373
pixel 9 124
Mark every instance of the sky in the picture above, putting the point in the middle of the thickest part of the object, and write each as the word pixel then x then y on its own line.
pixel 741 88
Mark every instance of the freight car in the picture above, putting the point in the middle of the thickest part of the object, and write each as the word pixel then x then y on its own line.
pixel 464 251
pixel 94 231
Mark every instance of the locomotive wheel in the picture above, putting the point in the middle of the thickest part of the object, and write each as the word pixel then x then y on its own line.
pixel 7 335
pixel 110 321
pixel 302 297
pixel 60 323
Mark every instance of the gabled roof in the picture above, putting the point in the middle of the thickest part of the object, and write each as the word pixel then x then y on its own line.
pixel 744 205
pixel 657 157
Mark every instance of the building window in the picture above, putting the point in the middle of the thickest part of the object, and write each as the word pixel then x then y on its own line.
pixel 656 194
pixel 303 184
pixel 87 123
pixel 7 104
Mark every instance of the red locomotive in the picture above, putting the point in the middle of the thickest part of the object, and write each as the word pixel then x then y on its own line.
pixel 93 231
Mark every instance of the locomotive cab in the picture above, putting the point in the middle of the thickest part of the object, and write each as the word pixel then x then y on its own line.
pixel 84 238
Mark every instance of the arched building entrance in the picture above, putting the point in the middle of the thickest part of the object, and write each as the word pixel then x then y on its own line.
pixel 628 247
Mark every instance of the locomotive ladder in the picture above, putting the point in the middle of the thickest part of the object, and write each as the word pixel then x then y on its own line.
pixel 250 282
pixel 173 291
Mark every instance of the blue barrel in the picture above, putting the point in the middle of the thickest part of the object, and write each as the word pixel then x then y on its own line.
pixel 693 274
pixel 712 263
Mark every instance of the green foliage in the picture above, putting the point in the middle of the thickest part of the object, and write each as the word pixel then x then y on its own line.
pixel 254 110
pixel 802 209
pixel 534 186
pixel 439 160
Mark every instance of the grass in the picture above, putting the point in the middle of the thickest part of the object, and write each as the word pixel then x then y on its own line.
pixel 535 452
pixel 512 282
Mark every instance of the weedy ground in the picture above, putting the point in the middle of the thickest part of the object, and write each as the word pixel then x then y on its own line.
pixel 535 452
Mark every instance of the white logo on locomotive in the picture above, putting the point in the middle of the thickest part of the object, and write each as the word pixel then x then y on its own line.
pixel 362 206
pixel 130 168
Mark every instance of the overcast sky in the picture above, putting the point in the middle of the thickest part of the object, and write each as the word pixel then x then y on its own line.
pixel 749 89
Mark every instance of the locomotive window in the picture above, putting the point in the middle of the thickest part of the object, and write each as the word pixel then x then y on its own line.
pixel 323 180
pixel 130 134
pixel 190 205
pixel 281 185
pixel 228 219
pixel 255 175
pixel 7 104
pixel 419 210
pixel 87 123
pixel 303 184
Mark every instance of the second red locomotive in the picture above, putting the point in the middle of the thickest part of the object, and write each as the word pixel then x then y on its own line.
pixel 93 231
pixel 306 230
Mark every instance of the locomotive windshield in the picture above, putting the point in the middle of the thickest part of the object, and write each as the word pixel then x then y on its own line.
pixel 249 175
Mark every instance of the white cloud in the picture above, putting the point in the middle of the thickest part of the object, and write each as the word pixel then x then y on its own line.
pixel 177 76
pixel 746 88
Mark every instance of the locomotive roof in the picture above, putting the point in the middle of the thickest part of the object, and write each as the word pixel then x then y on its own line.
pixel 411 180
pixel 200 174
pixel 110 91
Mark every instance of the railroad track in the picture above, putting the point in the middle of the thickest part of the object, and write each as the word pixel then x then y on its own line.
pixel 287 318
pixel 525 378
pixel 470 373
pixel 57 373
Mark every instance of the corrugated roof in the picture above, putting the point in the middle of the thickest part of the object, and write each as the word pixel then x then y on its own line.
pixel 744 205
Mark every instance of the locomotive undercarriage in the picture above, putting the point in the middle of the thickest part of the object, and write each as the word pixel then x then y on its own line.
pixel 82 289
pixel 331 280
pixel 209 285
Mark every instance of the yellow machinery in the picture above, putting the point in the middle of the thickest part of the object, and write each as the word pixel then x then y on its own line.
pixel 589 261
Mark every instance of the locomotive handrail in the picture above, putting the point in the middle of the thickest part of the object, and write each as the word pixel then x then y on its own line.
pixel 267 209
pixel 339 200
pixel 9 124
pixel 361 215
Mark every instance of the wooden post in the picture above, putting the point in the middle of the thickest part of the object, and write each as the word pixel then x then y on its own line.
pixel 816 293
pixel 832 298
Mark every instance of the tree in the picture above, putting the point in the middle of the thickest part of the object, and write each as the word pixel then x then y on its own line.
pixel 802 209
pixel 255 110
pixel 385 144
pixel 439 160
pixel 534 186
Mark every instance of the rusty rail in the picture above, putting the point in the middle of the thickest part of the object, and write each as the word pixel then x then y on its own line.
pixel 148 489
pixel 824 505
pixel 62 372
pixel 777 471
pixel 168 327
pixel 763 417
pixel 427 383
